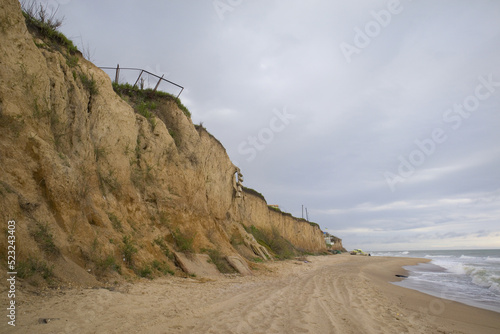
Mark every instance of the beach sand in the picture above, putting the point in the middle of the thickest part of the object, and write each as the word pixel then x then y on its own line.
pixel 329 294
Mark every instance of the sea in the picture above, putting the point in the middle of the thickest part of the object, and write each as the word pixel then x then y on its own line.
pixel 468 276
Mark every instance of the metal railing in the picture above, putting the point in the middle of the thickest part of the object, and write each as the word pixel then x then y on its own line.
pixel 140 78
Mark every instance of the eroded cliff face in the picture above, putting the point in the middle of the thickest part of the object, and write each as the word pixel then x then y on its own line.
pixel 92 185
pixel 253 210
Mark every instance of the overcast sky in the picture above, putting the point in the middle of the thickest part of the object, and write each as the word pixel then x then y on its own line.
pixel 381 117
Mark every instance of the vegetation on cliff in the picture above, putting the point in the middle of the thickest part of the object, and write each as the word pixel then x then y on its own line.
pixel 275 243
pixel 44 24
pixel 111 182
pixel 143 100
pixel 254 192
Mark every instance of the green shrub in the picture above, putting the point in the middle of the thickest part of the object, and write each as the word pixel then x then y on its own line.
pixel 162 267
pixel 174 136
pixel 31 266
pixel 146 109
pixel 89 83
pixel 146 272
pixel 182 107
pixel 115 222
pixel 128 250
pixel 71 60
pixel 105 264
pixel 219 260
pixel 183 242
pixel 45 239
pixel 159 241
pixel 274 242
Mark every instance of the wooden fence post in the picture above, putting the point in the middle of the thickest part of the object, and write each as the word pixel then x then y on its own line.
pixel 138 78
pixel 158 83
pixel 117 75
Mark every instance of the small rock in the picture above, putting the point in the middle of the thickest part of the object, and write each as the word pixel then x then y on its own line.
pixel 46 320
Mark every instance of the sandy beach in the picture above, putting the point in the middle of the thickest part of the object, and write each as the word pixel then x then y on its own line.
pixel 326 294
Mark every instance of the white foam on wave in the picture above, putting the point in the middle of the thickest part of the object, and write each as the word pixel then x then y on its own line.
pixel 486 279
pixel 495 284
pixel 471 277
pixel 481 276
pixel 453 267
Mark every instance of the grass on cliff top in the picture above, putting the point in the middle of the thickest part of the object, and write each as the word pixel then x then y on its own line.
pixel 139 96
pixel 290 215
pixel 279 211
pixel 258 194
pixel 254 192
pixel 43 22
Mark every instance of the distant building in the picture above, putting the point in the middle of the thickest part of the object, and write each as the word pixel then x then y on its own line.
pixel 329 239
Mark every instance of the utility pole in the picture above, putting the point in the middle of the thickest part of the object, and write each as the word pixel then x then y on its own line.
pixel 302 211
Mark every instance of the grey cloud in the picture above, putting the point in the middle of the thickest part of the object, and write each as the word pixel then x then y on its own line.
pixel 353 120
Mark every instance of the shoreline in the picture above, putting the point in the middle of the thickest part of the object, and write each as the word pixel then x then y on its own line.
pixel 327 294
pixel 446 313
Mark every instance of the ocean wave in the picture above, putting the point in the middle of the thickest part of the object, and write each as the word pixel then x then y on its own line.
pixel 485 279
pixel 387 254
pixel 466 276
pixel 454 267
pixel 495 284
pixel 480 276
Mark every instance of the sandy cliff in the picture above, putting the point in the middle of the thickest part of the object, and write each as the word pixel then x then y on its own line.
pixel 97 189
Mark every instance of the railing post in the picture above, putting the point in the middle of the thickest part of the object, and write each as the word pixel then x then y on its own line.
pixel 138 78
pixel 117 75
pixel 180 92
pixel 158 83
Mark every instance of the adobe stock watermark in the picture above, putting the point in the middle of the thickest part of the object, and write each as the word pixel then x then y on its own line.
pixel 373 28
pixel 436 306
pixel 453 117
pixel 253 144
pixel 223 6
